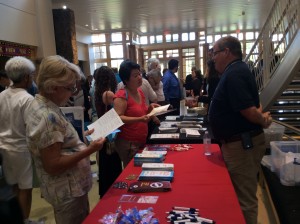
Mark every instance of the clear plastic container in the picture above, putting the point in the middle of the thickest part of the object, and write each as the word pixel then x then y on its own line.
pixel 207 144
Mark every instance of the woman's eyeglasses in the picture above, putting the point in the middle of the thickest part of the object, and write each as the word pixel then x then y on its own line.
pixel 71 89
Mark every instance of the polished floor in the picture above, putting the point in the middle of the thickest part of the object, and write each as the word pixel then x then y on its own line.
pixel 41 210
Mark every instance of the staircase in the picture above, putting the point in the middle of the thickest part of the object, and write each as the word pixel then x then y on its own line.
pixel 287 106
pixel 275 61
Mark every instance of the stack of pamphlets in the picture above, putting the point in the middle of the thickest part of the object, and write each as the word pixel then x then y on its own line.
pixel 141 158
pixel 158 166
pixel 159 175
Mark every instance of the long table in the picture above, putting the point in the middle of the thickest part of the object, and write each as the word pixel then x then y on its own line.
pixel 200 182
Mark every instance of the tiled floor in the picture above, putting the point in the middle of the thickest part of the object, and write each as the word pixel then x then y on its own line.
pixel 42 210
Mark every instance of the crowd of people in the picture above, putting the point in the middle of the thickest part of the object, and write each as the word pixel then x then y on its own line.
pixel 36 135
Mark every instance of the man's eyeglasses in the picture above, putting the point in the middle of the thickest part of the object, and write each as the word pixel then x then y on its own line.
pixel 71 89
pixel 217 52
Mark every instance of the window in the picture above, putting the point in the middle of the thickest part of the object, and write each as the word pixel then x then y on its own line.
pixel 168 37
pixel 249 45
pixel 185 37
pixel 116 63
pixel 116 37
pixel 99 52
pixel 116 51
pixel 192 36
pixel 209 39
pixel 145 55
pixel 157 54
pixel 98 65
pixel 159 39
pixel 249 36
pixel 143 40
pixel 96 38
pixel 152 39
pixel 187 52
pixel 172 53
pixel 175 37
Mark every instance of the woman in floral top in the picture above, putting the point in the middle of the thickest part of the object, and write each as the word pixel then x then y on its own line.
pixel 61 159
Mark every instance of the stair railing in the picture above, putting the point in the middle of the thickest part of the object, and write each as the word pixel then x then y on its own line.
pixel 274 40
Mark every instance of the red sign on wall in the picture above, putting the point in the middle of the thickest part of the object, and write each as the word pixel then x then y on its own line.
pixel 10 49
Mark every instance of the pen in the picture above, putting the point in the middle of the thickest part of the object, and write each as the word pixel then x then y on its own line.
pixel 201 219
pixel 185 208
pixel 186 211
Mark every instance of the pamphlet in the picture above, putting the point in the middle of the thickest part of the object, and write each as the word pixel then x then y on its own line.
pixel 105 125
pixel 159 110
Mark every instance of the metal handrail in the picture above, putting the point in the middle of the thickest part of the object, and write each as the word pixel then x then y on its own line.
pixel 274 40
pixel 289 127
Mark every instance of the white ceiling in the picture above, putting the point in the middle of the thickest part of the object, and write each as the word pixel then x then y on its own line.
pixel 168 16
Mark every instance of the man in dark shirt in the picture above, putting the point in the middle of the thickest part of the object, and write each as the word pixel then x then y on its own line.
pixel 237 120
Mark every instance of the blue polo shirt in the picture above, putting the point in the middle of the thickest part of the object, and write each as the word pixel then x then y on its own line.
pixel 171 86
pixel 236 91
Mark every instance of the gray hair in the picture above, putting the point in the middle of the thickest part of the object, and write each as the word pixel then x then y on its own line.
pixel 56 71
pixel 152 63
pixel 17 67
pixel 154 73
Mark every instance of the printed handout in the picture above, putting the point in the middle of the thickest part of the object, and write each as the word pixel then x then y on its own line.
pixel 105 125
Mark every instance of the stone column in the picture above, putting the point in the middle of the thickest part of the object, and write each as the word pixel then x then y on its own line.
pixel 65 34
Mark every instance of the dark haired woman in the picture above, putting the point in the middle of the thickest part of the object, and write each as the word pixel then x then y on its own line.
pixel 108 160
pixel 131 106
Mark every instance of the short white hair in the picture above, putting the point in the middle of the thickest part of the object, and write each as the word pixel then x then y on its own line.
pixel 151 62
pixel 17 67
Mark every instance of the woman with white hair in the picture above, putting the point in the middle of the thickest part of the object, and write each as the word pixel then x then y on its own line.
pixel 61 159
pixel 14 110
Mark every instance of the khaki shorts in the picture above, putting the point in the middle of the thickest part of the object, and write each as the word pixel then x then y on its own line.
pixel 17 167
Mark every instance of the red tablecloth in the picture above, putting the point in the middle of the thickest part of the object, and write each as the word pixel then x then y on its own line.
pixel 199 181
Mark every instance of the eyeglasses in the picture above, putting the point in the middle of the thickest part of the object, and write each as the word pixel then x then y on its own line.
pixel 71 89
pixel 217 52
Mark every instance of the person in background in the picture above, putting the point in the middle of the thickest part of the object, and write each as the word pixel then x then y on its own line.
pixel 153 63
pixel 109 162
pixel 130 104
pixel 213 78
pixel 33 89
pixel 196 82
pixel 10 210
pixel 116 72
pixel 188 82
pixel 171 84
pixel 5 82
pixel 149 93
pixel 154 77
pixel 61 159
pixel 94 116
pixel 15 108
pixel 237 121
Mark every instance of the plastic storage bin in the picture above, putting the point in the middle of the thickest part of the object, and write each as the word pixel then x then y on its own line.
pixel 285 161
pixel 273 133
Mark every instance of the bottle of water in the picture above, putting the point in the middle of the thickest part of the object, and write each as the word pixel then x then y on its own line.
pixel 207 144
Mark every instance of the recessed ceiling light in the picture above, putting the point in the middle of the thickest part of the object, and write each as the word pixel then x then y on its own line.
pixel 64 7
pixel 86 25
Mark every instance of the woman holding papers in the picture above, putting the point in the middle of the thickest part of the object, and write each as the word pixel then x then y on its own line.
pixel 61 159
pixel 109 162
pixel 130 104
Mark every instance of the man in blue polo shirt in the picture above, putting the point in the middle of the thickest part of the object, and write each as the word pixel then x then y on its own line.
pixel 171 84
pixel 237 120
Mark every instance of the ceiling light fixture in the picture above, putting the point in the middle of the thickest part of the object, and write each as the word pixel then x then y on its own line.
pixel 64 7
